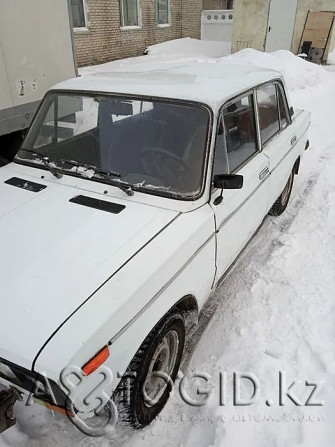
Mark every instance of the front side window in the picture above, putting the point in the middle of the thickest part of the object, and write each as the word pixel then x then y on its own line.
pixel 78 14
pixel 162 12
pixel 268 112
pixel 240 131
pixel 220 156
pixel 150 145
pixel 129 13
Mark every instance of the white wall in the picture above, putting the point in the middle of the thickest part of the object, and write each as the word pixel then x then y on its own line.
pixel 251 22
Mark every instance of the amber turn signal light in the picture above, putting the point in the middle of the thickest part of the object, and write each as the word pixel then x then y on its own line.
pixel 60 410
pixel 96 361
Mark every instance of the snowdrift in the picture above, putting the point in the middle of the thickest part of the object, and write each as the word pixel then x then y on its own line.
pixel 297 72
pixel 191 47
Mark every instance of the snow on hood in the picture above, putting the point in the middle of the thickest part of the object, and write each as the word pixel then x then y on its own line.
pixel 55 254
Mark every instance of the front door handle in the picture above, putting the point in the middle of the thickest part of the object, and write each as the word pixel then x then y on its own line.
pixel 264 173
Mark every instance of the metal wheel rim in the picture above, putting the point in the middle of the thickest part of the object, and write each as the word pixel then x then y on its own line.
pixel 160 369
pixel 286 192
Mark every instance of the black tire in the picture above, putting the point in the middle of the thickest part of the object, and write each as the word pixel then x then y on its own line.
pixel 134 408
pixel 281 203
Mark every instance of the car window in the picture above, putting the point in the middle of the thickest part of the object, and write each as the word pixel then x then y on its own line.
pixel 268 112
pixel 220 155
pixel 75 116
pixel 240 131
pixel 150 144
pixel 283 113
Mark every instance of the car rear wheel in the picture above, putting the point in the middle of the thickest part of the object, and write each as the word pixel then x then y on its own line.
pixel 281 203
pixel 146 386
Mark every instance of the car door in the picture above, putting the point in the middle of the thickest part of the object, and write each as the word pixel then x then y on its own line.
pixel 237 151
pixel 278 137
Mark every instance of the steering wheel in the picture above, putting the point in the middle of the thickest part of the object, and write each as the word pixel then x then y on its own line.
pixel 157 162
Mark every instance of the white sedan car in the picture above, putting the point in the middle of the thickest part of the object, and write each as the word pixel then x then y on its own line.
pixel 130 198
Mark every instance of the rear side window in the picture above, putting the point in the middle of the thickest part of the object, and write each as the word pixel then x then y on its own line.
pixel 268 112
pixel 240 127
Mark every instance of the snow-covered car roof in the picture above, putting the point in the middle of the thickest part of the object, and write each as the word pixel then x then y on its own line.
pixel 209 83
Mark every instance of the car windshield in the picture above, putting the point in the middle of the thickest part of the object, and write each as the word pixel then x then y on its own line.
pixel 152 145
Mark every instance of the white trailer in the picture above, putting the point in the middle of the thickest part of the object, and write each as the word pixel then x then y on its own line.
pixel 36 52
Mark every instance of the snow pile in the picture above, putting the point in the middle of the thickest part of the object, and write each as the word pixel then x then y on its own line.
pixel 191 47
pixel 331 58
pixel 297 72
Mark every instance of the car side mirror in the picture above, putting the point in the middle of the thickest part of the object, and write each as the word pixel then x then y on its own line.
pixel 291 111
pixel 226 181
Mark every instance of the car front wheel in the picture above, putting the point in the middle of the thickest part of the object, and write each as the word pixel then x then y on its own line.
pixel 146 386
pixel 281 203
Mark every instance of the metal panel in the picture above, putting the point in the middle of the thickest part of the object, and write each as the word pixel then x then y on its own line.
pixel 317 28
pixel 5 94
pixel 36 52
pixel 282 15
pixel 217 25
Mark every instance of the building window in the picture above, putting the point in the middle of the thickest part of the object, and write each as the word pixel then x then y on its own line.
pixel 162 12
pixel 230 4
pixel 129 13
pixel 78 14
pixel 217 4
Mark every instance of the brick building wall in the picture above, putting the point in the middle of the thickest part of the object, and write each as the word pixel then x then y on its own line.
pixel 191 18
pixel 104 40
pixel 217 4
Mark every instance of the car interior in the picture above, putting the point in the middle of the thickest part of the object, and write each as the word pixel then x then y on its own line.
pixel 163 146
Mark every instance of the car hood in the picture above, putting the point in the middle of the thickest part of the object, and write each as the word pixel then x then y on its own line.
pixel 55 254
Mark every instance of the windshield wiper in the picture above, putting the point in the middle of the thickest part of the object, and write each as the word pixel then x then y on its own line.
pixel 45 160
pixel 104 174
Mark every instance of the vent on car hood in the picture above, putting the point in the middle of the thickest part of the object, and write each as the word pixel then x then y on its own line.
pixel 102 205
pixel 25 184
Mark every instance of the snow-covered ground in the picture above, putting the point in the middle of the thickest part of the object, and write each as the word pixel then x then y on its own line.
pixel 331 58
pixel 275 311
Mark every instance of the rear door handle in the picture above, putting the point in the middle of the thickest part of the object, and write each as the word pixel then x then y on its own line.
pixel 293 140
pixel 264 173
